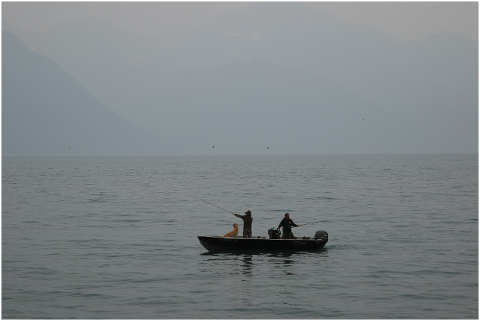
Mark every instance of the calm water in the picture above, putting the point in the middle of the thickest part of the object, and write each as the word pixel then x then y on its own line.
pixel 115 237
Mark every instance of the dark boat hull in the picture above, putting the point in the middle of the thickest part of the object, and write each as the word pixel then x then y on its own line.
pixel 235 244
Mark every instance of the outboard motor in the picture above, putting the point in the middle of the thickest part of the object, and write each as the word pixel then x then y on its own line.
pixel 323 235
pixel 273 233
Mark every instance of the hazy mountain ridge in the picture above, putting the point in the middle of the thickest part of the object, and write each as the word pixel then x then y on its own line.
pixel 428 86
pixel 320 43
pixel 45 111
pixel 251 105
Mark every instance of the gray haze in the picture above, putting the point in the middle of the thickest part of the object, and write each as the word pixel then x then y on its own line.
pixel 242 77
pixel 403 20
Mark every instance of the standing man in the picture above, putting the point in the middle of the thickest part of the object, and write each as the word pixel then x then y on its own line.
pixel 287 224
pixel 247 224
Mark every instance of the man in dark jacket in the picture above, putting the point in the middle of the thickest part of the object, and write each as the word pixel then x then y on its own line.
pixel 287 224
pixel 247 224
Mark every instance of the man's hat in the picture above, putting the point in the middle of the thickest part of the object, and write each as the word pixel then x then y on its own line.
pixel 248 213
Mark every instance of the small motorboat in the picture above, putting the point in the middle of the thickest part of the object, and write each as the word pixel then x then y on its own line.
pixel 264 244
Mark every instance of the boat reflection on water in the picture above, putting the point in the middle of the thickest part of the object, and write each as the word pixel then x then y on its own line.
pixel 246 274
pixel 247 265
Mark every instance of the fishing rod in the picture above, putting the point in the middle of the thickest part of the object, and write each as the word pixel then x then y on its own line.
pixel 211 204
pixel 309 223
pixel 234 213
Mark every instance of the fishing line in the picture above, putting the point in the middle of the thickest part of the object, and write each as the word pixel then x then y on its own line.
pixel 210 203
pixel 234 213
pixel 309 223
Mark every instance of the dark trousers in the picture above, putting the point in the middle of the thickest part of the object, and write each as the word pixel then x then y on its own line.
pixel 288 235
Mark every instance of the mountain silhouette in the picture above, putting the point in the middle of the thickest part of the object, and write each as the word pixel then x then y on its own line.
pixel 45 111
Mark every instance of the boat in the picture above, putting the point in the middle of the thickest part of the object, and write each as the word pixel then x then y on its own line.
pixel 272 243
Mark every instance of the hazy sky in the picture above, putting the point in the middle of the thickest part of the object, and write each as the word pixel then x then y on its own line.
pixel 290 89
pixel 403 20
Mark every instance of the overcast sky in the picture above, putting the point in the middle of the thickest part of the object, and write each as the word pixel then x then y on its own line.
pixel 403 20
pixel 304 83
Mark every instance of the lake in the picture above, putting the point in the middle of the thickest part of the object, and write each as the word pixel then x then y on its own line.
pixel 116 237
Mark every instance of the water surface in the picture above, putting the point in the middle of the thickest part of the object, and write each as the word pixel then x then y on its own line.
pixel 115 237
